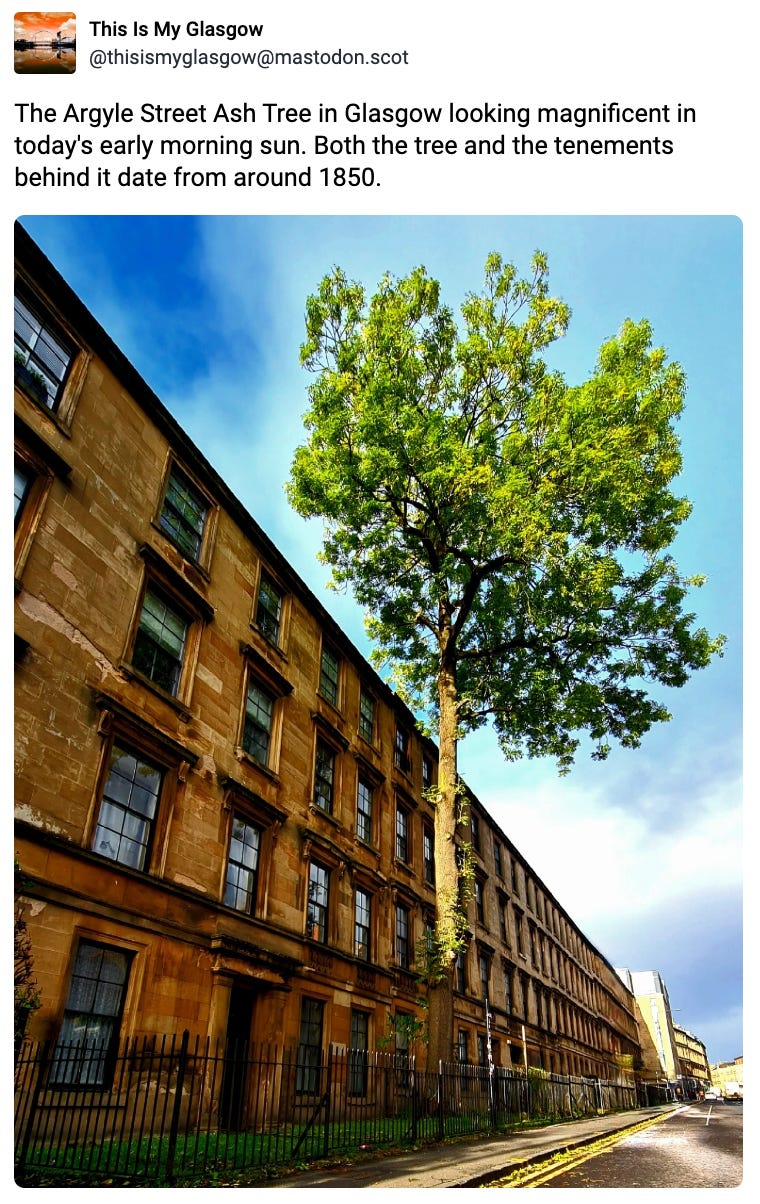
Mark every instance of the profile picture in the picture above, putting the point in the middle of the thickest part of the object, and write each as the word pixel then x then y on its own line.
pixel 45 43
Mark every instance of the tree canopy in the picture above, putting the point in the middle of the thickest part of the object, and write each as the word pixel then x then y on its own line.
pixel 494 517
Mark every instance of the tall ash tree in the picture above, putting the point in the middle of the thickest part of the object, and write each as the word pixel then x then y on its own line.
pixel 507 532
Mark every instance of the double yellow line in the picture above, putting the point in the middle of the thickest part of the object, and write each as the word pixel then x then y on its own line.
pixel 560 1162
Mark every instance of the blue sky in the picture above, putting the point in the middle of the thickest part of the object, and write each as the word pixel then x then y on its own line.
pixel 644 851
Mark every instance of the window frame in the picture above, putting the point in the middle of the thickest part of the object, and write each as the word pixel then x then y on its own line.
pixel 67 394
pixel 42 466
pixel 475 837
pixel 508 987
pixel 326 748
pixel 250 892
pixel 318 912
pixel 308 1066
pixel 48 325
pixel 428 854
pixel 463 1050
pixel 402 939
pixel 427 772
pixel 331 694
pixel 253 682
pixel 484 973
pixel 366 723
pixel 402 760
pixel 118 750
pixel 403 834
pixel 363 944
pixel 101 1060
pixel 497 859
pixel 358 1055
pixel 460 972
pixel 157 590
pixel 201 556
pixel 269 627
pixel 117 725
pixel 365 815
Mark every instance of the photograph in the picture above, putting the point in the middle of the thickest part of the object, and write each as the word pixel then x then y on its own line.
pixel 378 697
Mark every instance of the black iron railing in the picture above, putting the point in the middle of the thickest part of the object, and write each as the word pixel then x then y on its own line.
pixel 178 1110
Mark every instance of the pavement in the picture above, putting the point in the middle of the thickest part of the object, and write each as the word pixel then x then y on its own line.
pixel 470 1163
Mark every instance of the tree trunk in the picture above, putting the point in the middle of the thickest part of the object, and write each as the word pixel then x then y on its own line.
pixel 448 920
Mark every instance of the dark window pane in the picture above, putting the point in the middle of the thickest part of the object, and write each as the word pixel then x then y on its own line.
pixel 269 610
pixel 324 777
pixel 40 352
pixel 257 729
pixel 242 864
pixel 127 810
pixel 184 514
pixel 160 642
pixel 328 676
pixel 91 1017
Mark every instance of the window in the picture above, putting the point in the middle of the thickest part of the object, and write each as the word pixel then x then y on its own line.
pixel 479 902
pixel 402 834
pixel 475 831
pixel 519 933
pixel 42 354
pixel 428 935
pixel 91 1018
pixel 364 800
pixel 402 936
pixel 128 810
pixel 508 988
pixel 484 971
pixel 462 1052
pixel 460 972
pixel 357 1054
pixel 160 641
pixel 401 757
pixel 497 859
pixel 183 515
pixel 22 483
pixel 402 1024
pixel 362 924
pixel 324 777
pixel 427 773
pixel 515 880
pixel 242 865
pixel 367 716
pixel 310 1047
pixel 35 467
pixel 503 923
pixel 257 726
pixel 328 675
pixel 533 944
pixel 269 610
pixel 428 856
pixel 318 900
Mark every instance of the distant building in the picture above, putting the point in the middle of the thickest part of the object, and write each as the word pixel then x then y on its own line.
pixel 222 811
pixel 692 1057
pixel 656 1030
pixel 722 1073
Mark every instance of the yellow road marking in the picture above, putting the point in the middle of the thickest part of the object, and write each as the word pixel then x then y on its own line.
pixel 568 1160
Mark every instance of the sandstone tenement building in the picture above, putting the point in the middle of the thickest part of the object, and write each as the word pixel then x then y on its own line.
pixel 221 812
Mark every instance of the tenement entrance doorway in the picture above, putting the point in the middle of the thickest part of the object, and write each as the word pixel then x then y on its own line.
pixel 232 1102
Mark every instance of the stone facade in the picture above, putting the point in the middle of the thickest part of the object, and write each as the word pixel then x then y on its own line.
pixel 692 1059
pixel 221 810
